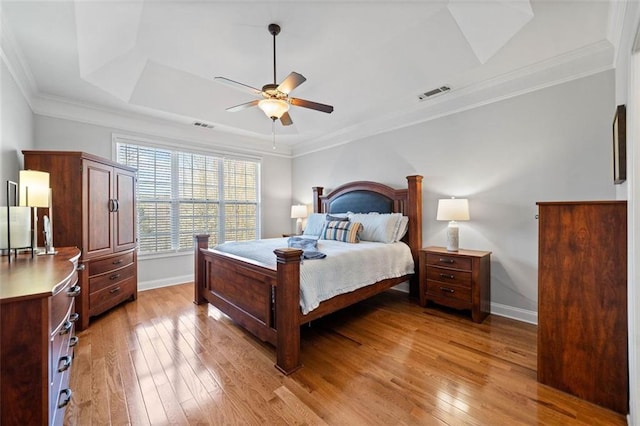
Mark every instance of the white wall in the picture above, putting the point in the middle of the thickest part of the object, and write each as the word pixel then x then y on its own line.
pixel 60 134
pixel 16 121
pixel 627 92
pixel 553 144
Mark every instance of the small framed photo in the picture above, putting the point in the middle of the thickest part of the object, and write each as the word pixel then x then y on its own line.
pixel 620 145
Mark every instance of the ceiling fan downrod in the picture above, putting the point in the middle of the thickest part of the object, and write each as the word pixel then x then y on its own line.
pixel 274 29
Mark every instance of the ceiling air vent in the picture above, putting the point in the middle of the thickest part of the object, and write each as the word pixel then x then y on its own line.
pixel 434 92
pixel 203 125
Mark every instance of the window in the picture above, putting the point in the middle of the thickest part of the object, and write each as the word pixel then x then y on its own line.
pixel 180 194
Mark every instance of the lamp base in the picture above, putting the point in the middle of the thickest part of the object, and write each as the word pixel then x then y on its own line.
pixel 299 226
pixel 452 236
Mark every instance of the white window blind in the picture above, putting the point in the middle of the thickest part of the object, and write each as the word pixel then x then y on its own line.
pixel 181 194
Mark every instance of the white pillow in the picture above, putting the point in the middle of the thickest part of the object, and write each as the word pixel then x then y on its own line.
pixel 315 224
pixel 377 227
pixel 401 228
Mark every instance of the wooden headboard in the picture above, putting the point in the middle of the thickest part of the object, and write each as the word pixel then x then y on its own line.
pixel 365 197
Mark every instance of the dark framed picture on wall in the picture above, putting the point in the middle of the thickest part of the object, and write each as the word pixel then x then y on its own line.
pixel 620 145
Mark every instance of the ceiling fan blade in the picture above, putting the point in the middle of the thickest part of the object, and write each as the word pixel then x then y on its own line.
pixel 243 106
pixel 311 105
pixel 286 119
pixel 292 81
pixel 240 86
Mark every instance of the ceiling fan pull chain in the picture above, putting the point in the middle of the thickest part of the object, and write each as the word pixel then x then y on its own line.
pixel 273 131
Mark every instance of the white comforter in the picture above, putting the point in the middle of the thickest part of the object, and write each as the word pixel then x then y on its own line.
pixel 347 267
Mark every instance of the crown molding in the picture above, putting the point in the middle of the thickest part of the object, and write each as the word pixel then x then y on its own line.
pixel 161 125
pixel 615 25
pixel 589 60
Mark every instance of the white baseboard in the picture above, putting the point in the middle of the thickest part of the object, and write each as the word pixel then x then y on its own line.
pixel 514 313
pixel 524 315
pixel 165 282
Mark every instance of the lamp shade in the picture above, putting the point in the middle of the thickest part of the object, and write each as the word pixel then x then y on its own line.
pixel 298 211
pixel 453 209
pixel 34 188
pixel 19 223
pixel 273 108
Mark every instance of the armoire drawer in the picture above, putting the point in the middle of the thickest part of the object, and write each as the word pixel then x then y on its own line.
pixel 109 297
pixel 111 278
pixel 101 266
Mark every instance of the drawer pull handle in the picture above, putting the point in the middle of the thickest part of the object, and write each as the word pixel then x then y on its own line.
pixel 73 341
pixel 448 290
pixel 73 291
pixel 80 267
pixel 66 394
pixel 114 290
pixel 445 260
pixel 74 317
pixel 117 262
pixel 66 328
pixel 449 276
pixel 64 363
pixel 114 277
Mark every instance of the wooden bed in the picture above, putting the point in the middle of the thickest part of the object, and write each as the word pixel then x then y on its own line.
pixel 266 302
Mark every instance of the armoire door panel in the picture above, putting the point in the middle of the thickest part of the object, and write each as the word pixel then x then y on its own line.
pixel 125 215
pixel 98 204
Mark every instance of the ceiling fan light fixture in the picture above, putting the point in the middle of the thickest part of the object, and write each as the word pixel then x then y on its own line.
pixel 274 108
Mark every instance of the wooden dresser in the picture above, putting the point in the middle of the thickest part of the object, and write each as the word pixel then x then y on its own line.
pixel 37 336
pixel 94 208
pixel 582 300
pixel 460 280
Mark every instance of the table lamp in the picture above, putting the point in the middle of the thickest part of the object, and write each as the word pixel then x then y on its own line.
pixel 298 212
pixel 453 209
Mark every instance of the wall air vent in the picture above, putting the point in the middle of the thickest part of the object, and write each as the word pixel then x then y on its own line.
pixel 434 92
pixel 203 125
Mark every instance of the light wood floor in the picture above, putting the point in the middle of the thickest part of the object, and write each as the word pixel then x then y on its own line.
pixel 163 360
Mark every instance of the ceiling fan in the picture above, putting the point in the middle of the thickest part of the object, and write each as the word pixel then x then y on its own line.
pixel 275 102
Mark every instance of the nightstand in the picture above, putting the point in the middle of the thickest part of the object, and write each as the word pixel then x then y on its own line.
pixel 460 280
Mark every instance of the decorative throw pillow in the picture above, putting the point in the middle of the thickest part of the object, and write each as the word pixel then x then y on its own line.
pixel 337 217
pixel 342 230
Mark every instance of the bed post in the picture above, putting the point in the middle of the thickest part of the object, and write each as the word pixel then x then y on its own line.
pixel 288 310
pixel 317 199
pixel 414 212
pixel 201 241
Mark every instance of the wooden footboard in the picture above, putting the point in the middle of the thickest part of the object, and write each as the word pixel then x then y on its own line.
pixel 264 301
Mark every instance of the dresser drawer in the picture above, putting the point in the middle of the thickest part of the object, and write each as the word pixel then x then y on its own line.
pixel 446 291
pixel 108 297
pixel 60 304
pixel 454 262
pixel 101 266
pixel 449 276
pixel 110 278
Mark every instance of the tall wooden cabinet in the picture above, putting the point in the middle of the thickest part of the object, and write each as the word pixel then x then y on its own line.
pixel 582 300
pixel 94 209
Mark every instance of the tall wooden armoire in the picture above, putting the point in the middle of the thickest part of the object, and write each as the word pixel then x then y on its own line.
pixel 582 300
pixel 94 209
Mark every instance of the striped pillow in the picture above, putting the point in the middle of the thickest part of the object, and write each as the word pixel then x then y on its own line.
pixel 346 231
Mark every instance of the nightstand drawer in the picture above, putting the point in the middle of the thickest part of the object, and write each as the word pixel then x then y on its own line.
pixel 449 276
pixel 438 290
pixel 449 261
